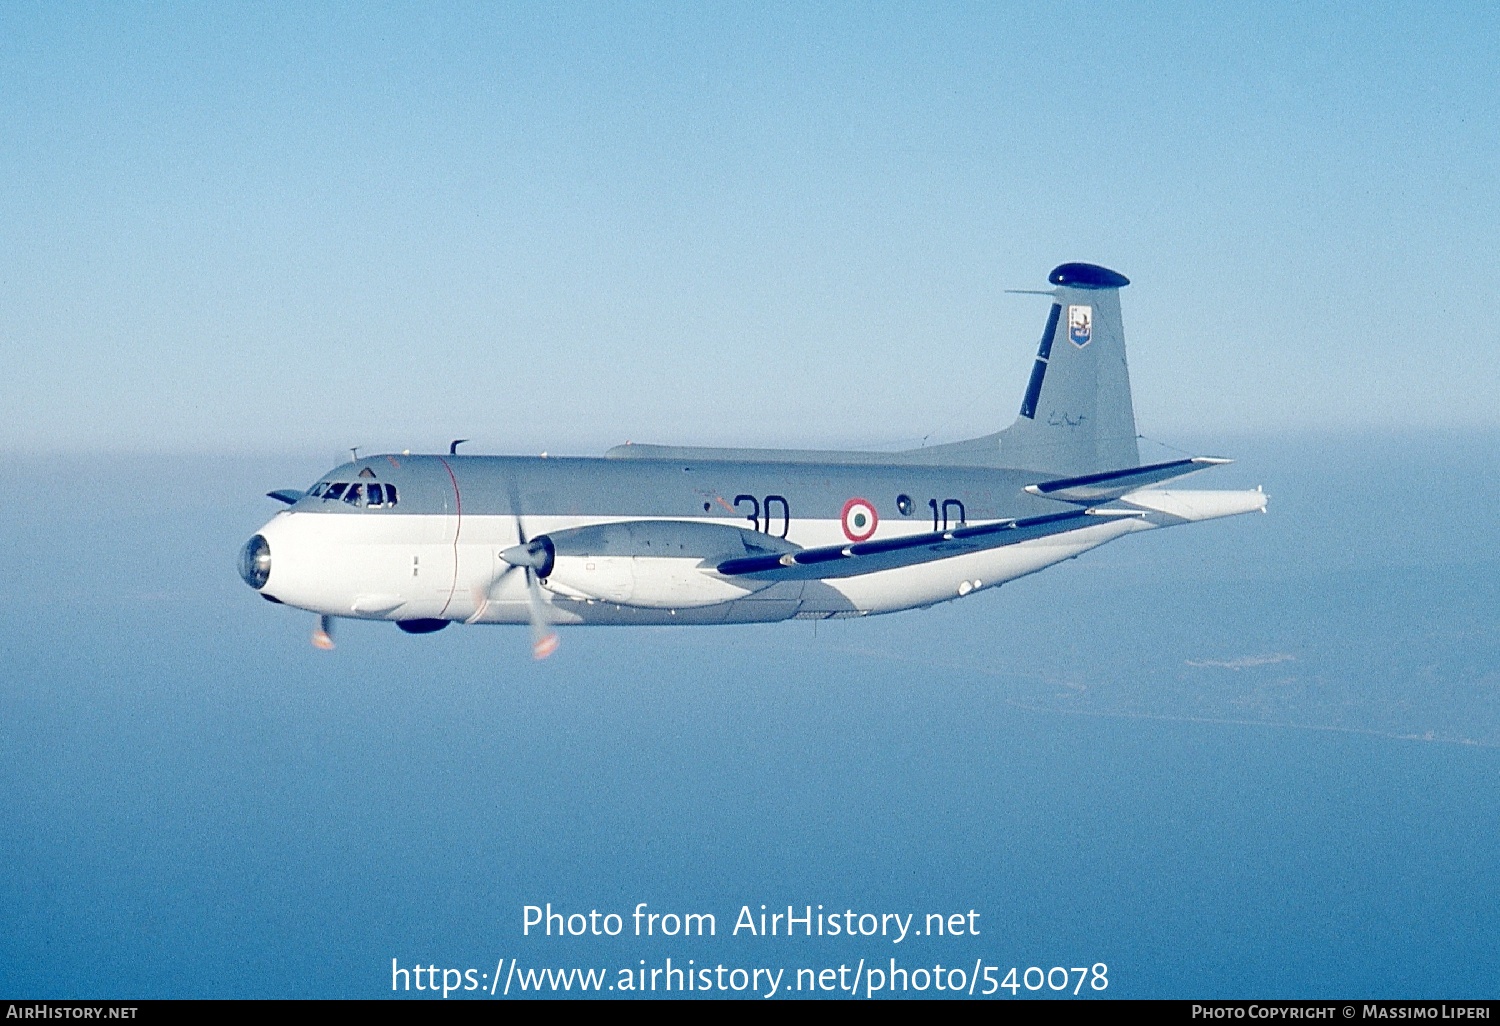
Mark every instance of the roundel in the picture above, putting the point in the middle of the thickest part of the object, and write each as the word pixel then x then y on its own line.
pixel 859 519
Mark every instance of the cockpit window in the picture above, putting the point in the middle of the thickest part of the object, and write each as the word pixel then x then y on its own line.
pixel 361 496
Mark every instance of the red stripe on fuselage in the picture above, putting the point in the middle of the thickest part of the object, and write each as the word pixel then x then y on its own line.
pixel 458 527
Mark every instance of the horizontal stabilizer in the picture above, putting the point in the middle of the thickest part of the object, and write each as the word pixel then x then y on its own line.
pixel 1114 483
pixel 1190 506
pixel 891 553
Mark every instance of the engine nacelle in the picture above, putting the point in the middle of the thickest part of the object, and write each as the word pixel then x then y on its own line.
pixel 656 564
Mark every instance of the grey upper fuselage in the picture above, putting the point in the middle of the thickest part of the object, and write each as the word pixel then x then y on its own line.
pixel 681 489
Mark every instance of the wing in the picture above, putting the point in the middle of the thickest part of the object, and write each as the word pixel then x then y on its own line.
pixel 1114 483
pixel 891 553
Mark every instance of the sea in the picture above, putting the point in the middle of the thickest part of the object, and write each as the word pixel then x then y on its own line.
pixel 1252 758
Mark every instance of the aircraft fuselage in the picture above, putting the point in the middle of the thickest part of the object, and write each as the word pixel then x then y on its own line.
pixel 436 553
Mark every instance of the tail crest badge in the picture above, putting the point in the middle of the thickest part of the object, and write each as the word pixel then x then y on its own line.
pixel 1080 325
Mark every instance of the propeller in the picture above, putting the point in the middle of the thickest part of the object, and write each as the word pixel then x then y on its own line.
pixel 534 558
pixel 322 635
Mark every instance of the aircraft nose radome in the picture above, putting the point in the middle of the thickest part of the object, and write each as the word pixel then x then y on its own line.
pixel 255 562
pixel 1087 276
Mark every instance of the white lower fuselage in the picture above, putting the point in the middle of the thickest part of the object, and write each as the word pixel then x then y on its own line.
pixel 423 566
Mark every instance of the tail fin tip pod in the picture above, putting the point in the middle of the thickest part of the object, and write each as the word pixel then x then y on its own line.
pixel 1076 415
pixel 1087 276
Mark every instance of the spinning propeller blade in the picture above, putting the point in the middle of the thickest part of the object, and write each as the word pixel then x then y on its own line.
pixel 534 559
pixel 543 637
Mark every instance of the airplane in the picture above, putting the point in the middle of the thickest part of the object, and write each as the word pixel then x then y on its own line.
pixel 660 534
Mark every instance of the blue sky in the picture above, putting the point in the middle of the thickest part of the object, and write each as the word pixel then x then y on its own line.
pixel 278 227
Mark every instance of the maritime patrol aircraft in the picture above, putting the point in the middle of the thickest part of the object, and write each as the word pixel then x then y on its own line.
pixel 657 534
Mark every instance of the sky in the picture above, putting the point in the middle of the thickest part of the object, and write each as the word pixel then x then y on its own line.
pixel 298 228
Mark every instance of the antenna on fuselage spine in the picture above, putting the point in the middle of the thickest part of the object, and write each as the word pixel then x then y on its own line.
pixel 453 446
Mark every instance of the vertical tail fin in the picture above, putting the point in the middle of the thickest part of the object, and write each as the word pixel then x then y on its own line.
pixel 1077 416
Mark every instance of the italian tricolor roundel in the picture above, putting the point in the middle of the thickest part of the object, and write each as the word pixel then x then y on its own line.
pixel 859 519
